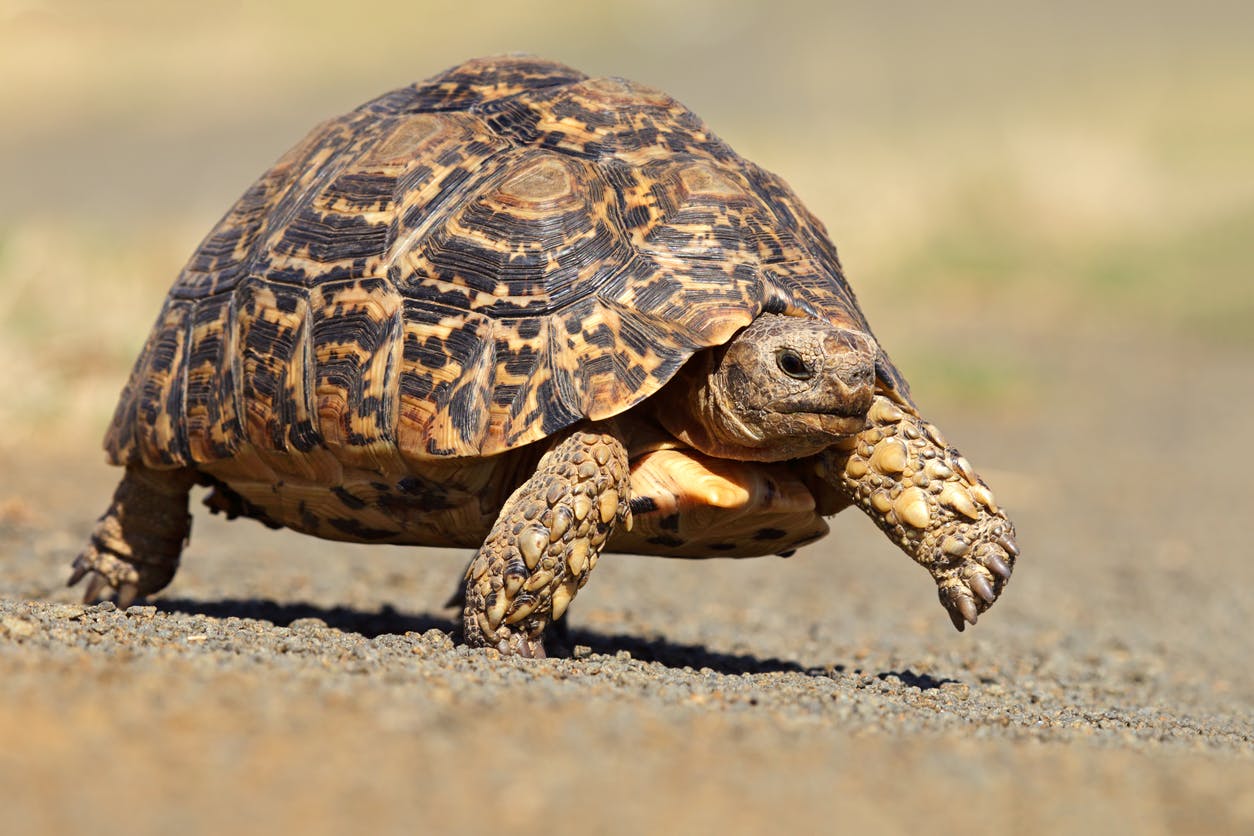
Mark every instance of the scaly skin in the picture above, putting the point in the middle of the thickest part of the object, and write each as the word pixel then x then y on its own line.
pixel 545 542
pixel 929 501
pixel 134 549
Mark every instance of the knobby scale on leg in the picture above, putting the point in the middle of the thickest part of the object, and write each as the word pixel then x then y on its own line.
pixel 546 542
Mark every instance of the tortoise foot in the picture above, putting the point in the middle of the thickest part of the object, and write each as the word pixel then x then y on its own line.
pixel 107 576
pixel 135 547
pixel 972 584
pixel 925 495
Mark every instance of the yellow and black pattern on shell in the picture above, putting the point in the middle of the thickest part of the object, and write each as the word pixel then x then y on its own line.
pixel 464 266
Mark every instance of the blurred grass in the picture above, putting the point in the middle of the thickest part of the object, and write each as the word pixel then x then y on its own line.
pixel 1012 173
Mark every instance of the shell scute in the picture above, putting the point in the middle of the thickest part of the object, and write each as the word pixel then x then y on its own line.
pixel 446 366
pixel 475 82
pixel 271 354
pixel 209 412
pixel 162 435
pixel 514 257
pixel 604 117
pixel 355 344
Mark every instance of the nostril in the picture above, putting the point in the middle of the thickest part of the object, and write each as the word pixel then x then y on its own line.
pixel 859 375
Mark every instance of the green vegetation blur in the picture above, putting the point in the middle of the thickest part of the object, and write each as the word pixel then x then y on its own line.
pixel 998 177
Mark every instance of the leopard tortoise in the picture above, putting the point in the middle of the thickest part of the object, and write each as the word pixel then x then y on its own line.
pixel 518 309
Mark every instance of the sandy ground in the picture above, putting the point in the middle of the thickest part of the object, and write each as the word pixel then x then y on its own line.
pixel 283 683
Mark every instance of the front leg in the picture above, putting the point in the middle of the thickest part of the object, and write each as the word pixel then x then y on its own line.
pixel 545 542
pixel 927 498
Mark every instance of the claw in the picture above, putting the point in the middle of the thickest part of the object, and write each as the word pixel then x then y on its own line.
pixel 959 604
pixel 1008 543
pixel 77 575
pixel 959 624
pixel 997 566
pixel 95 586
pixel 127 593
pixel 981 587
pixel 966 606
pixel 526 647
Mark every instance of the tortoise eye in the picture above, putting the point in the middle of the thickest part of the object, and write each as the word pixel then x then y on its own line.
pixel 791 364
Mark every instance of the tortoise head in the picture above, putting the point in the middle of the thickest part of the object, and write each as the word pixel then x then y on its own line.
pixel 782 388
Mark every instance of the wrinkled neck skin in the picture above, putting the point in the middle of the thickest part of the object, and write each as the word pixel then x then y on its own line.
pixel 705 416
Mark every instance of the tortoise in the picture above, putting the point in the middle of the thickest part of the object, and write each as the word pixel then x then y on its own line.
pixel 519 309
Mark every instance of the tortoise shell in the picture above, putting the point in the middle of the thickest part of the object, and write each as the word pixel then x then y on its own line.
pixel 467 265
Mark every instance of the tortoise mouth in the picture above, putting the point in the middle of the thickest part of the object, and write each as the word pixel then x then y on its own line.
pixel 842 425
pixel 847 420
pixel 810 433
pixel 853 405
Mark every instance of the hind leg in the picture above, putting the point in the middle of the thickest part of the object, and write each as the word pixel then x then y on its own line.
pixel 134 549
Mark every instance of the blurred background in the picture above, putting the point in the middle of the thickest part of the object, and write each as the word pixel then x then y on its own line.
pixel 1046 169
